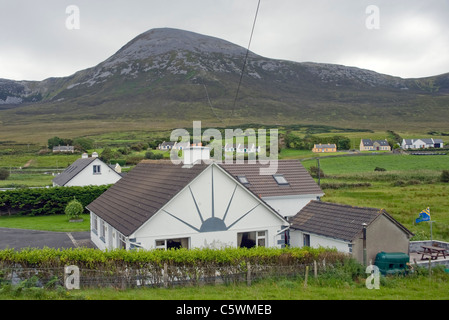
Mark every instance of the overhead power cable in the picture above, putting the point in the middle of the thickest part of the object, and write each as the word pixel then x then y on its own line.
pixel 246 59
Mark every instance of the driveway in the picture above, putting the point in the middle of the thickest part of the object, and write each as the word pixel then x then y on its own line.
pixel 20 238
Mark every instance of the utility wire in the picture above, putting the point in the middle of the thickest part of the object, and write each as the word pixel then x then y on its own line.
pixel 246 59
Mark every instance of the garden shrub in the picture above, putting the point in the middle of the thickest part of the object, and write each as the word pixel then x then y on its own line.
pixel 74 209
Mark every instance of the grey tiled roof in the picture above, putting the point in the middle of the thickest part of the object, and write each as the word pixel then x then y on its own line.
pixel 299 180
pixel 73 170
pixel 337 221
pixel 141 193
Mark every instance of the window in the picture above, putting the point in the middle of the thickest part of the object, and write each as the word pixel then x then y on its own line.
pixel 97 169
pixel 306 240
pixel 251 239
pixel 172 243
pixel 94 224
pixel 121 241
pixel 243 179
pixel 280 179
pixel 102 230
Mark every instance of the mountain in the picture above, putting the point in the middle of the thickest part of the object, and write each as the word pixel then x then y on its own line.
pixel 169 75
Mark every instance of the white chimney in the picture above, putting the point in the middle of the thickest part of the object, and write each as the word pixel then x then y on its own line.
pixel 85 156
pixel 94 155
pixel 195 154
pixel 118 168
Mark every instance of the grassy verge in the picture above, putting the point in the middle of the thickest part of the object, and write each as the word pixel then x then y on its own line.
pixel 58 223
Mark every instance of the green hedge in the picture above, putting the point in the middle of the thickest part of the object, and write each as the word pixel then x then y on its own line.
pixel 89 258
pixel 47 201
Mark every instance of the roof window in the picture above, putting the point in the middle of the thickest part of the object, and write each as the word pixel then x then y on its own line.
pixel 243 179
pixel 280 179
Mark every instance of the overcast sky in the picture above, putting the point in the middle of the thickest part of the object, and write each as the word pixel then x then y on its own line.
pixel 405 38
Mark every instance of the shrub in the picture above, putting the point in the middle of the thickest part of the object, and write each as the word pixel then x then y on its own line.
pixel 4 174
pixel 314 172
pixel 74 209
pixel 379 169
pixel 445 176
pixel 46 201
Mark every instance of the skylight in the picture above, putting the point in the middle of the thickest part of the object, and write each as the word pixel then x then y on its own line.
pixel 280 179
pixel 243 179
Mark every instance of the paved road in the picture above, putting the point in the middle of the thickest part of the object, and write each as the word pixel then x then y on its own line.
pixel 19 238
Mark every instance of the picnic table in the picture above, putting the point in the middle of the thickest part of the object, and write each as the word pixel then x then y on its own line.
pixel 432 252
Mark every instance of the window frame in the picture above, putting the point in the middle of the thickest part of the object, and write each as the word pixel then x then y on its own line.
pixel 280 176
pixel 96 169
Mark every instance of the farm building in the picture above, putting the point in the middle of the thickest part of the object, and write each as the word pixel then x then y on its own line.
pixel 162 205
pixel 88 171
pixel 64 149
pixel 324 148
pixel 341 226
pixel 374 145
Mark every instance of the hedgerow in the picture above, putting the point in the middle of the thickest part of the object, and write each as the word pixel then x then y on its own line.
pixel 47 201
pixel 121 268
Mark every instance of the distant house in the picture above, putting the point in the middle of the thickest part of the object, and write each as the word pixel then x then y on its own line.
pixel 88 171
pixel 64 149
pixel 374 145
pixel 241 148
pixel 180 145
pixel 324 148
pixel 166 145
pixel 160 205
pixel 341 227
pixel 424 143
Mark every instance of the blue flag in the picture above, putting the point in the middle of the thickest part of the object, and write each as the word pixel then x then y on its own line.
pixel 423 216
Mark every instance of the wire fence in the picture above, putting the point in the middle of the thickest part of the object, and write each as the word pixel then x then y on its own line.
pixel 152 275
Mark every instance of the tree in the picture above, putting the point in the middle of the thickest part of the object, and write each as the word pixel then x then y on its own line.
pixel 74 209
pixel 54 142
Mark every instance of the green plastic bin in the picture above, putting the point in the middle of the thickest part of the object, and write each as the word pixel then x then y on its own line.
pixel 392 262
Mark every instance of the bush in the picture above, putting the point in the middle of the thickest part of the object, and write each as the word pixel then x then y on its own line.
pixel 153 156
pixel 445 176
pixel 379 169
pixel 314 172
pixel 47 201
pixel 4 174
pixel 74 209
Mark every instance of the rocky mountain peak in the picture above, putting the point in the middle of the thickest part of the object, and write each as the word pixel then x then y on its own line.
pixel 160 41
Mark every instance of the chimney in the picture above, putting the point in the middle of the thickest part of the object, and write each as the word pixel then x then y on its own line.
pixel 84 156
pixel 95 155
pixel 118 168
pixel 195 154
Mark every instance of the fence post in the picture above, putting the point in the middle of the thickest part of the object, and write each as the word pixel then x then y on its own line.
pixel 307 276
pixel 315 269
pixel 165 276
pixel 248 275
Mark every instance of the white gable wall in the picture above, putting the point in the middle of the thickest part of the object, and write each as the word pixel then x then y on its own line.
pixel 87 177
pixel 219 199
pixel 289 206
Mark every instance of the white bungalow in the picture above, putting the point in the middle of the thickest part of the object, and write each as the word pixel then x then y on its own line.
pixel 162 205
pixel 88 171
